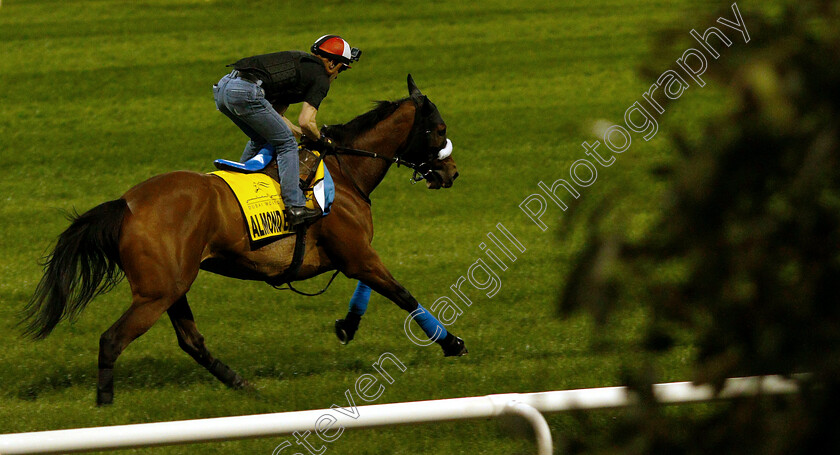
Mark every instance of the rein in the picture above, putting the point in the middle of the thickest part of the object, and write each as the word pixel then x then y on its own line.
pixel 339 150
pixel 356 152
pixel 419 173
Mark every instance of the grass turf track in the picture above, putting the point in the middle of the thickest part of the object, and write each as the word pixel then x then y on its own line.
pixel 99 95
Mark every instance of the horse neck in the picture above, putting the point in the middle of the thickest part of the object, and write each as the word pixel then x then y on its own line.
pixel 386 139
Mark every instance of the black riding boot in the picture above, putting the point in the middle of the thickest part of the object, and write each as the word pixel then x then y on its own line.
pixel 298 215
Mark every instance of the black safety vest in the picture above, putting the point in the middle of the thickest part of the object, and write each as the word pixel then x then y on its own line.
pixel 279 71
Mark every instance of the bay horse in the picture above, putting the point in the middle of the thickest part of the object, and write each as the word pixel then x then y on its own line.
pixel 160 233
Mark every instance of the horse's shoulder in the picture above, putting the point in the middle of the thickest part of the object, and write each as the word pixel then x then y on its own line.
pixel 349 217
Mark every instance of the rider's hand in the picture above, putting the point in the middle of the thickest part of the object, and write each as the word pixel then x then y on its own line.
pixel 308 142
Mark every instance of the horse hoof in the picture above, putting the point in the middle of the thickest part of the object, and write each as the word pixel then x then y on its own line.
pixel 455 348
pixel 105 387
pixel 239 383
pixel 343 331
pixel 104 399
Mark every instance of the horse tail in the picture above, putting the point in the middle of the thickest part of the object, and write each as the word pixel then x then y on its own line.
pixel 84 264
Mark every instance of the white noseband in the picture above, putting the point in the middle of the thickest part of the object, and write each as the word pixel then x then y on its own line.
pixel 446 151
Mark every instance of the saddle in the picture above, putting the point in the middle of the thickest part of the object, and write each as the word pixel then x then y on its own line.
pixel 308 160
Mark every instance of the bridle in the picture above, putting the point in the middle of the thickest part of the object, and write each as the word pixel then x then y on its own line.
pixel 421 170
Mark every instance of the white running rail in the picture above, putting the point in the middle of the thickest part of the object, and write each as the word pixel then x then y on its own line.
pixel 528 405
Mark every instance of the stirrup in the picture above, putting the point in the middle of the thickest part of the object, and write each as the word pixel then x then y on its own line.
pixel 255 164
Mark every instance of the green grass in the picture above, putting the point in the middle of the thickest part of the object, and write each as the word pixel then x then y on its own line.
pixel 99 95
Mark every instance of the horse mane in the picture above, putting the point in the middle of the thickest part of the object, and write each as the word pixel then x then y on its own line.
pixel 346 133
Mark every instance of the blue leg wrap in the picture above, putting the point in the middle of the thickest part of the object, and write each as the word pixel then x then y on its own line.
pixel 430 324
pixel 360 299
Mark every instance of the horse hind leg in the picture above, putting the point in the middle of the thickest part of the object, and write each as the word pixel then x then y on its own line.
pixel 161 246
pixel 192 342
pixel 153 293
pixel 142 314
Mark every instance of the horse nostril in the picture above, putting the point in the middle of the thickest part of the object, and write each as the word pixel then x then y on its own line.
pixel 455 176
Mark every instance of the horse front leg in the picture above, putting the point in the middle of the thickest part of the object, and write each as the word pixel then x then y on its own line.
pixel 369 269
pixel 345 329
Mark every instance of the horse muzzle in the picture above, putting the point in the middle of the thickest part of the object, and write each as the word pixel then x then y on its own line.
pixel 441 172
pixel 442 178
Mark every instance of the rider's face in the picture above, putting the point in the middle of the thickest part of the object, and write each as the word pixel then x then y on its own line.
pixel 334 68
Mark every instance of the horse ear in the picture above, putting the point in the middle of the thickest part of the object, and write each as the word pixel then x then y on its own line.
pixel 413 91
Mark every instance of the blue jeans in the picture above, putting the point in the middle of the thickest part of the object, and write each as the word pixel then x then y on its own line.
pixel 244 102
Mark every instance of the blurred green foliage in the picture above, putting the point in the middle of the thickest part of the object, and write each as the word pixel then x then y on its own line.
pixel 744 260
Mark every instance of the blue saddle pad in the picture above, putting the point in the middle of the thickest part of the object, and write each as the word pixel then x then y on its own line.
pixel 255 164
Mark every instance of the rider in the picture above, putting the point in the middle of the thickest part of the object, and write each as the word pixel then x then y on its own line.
pixel 256 94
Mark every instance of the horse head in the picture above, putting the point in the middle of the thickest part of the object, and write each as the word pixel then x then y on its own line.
pixel 410 132
pixel 428 148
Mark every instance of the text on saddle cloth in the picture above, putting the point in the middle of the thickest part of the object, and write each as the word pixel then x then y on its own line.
pixel 259 198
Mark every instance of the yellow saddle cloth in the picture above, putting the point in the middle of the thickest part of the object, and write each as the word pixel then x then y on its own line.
pixel 261 203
